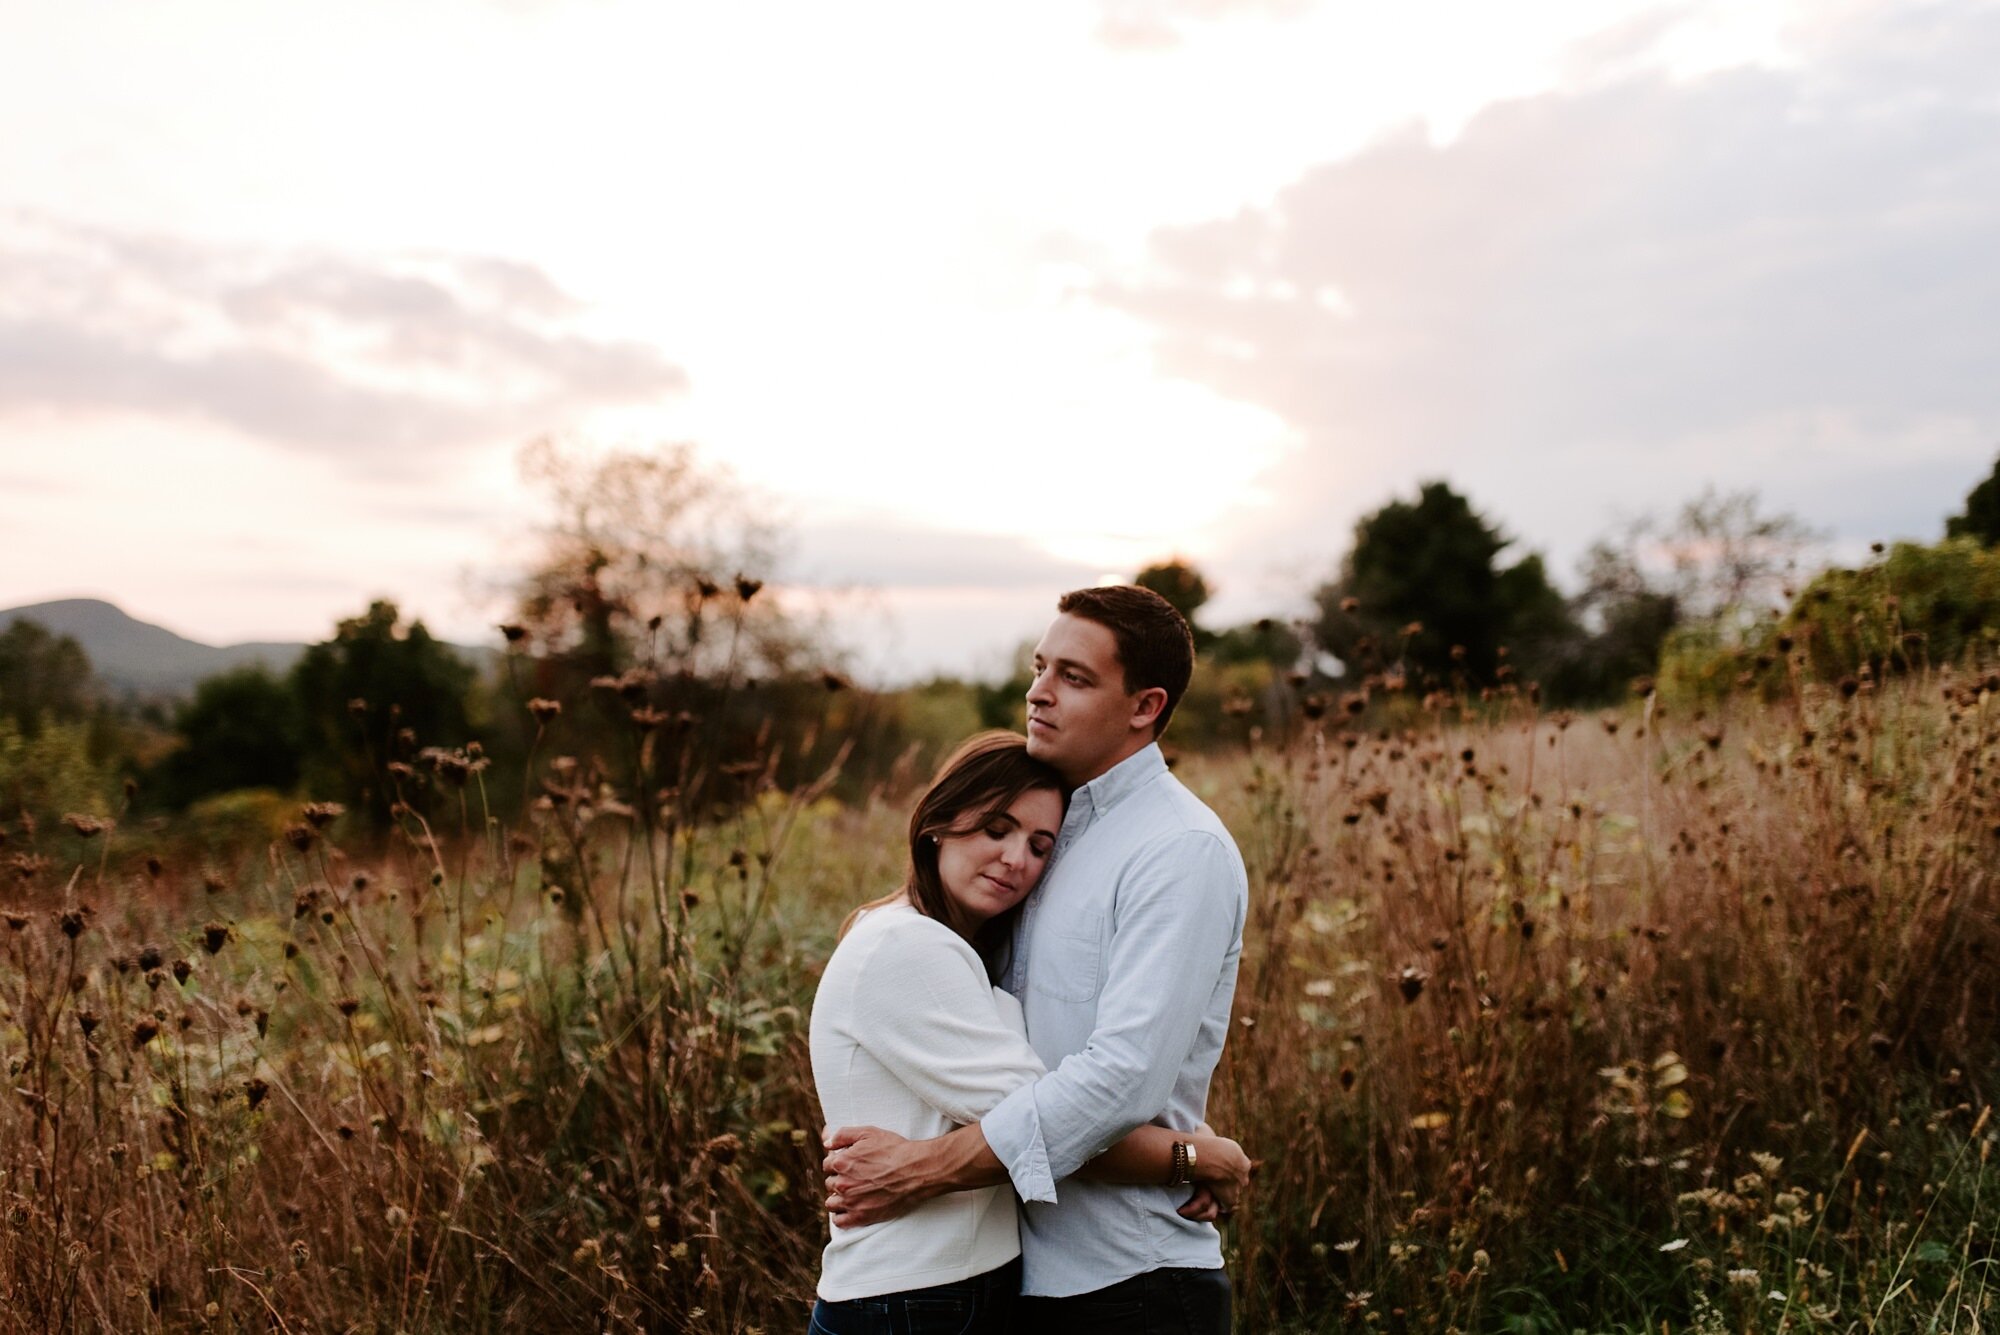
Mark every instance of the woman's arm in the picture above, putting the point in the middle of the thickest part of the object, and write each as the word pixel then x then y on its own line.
pixel 1145 1158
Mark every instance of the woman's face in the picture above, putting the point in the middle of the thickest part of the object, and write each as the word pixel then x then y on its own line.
pixel 989 870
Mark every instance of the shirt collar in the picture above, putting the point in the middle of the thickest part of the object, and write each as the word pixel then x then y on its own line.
pixel 1122 779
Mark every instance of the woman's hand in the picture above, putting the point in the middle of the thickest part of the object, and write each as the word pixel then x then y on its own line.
pixel 1221 1173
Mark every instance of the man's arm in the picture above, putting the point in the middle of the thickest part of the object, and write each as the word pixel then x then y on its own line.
pixel 1177 937
pixel 873 1175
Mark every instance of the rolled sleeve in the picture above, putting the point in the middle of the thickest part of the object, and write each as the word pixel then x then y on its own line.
pixel 1175 929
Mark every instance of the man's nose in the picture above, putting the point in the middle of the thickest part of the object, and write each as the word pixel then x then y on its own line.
pixel 1038 687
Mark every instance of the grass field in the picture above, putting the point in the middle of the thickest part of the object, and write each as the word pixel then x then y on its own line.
pixel 1629 1022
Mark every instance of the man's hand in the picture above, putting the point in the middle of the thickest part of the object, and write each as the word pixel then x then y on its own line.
pixel 873 1175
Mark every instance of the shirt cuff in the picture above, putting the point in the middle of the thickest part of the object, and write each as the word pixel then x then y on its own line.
pixel 1013 1131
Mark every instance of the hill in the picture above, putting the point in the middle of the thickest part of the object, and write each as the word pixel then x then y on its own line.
pixel 138 657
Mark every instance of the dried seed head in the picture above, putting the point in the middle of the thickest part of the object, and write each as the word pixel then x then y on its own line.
pixel 300 837
pixel 86 827
pixel 348 1005
pixel 182 970
pixel 17 921
pixel 513 632
pixel 544 709
pixel 151 957
pixel 254 1090
pixel 746 588
pixel 145 1031
pixel 319 815
pixel 213 884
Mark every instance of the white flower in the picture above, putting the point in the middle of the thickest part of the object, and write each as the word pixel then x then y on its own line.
pixel 1674 1246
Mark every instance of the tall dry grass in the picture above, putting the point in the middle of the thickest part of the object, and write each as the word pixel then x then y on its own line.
pixel 1544 1023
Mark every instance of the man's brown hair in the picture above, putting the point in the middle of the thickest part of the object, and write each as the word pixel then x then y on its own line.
pixel 1155 645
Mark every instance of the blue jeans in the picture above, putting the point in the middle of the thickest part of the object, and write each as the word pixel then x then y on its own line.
pixel 982 1305
pixel 1169 1301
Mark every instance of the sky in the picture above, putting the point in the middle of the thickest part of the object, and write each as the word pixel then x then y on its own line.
pixel 974 303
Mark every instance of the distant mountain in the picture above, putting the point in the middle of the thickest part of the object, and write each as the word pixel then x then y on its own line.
pixel 138 657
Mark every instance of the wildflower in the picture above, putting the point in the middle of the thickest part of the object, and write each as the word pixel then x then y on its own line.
pixel 86 827
pixel 300 837
pixel 145 1031
pixel 544 709
pixel 746 588
pixel 1767 1164
pixel 723 1148
pixel 319 815
pixel 1743 1279
pixel 1674 1246
pixel 347 1005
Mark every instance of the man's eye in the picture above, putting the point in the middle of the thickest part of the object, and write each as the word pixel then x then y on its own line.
pixel 1073 678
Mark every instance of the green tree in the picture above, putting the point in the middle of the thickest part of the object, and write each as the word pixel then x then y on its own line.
pixel 1183 586
pixel 1981 520
pixel 43 677
pixel 241 730
pixel 1422 588
pixel 377 691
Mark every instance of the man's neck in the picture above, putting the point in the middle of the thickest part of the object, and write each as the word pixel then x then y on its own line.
pixel 1133 749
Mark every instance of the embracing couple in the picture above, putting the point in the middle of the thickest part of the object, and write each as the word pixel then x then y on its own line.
pixel 1015 1083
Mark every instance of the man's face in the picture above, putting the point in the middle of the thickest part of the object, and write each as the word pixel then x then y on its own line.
pixel 1081 720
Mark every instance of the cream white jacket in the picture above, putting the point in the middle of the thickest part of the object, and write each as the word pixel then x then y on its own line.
pixel 908 1035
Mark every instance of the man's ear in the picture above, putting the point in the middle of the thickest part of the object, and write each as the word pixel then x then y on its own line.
pixel 1146 707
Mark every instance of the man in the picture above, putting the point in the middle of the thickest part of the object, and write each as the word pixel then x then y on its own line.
pixel 1125 964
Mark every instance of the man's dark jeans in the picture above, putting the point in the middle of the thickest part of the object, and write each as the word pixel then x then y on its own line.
pixel 982 1305
pixel 1159 1302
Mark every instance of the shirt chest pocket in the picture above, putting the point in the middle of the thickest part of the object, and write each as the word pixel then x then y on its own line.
pixel 1067 963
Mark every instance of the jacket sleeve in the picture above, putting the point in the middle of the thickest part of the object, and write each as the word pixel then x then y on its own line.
pixel 1175 939
pixel 925 1010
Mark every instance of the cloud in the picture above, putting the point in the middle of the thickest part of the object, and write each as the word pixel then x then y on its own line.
pixel 1607 295
pixel 377 360
pixel 1155 25
pixel 889 553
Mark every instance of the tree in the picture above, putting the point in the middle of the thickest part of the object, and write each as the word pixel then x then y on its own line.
pixel 648 557
pixel 377 691
pixel 43 677
pixel 1421 588
pixel 241 730
pixel 1725 561
pixel 1981 520
pixel 1180 584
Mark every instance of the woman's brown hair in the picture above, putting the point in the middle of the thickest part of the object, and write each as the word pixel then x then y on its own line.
pixel 977 782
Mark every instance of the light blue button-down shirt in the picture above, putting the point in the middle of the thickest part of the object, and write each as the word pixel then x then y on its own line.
pixel 1125 963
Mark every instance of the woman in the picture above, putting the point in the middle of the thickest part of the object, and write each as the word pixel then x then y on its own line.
pixel 909 1034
